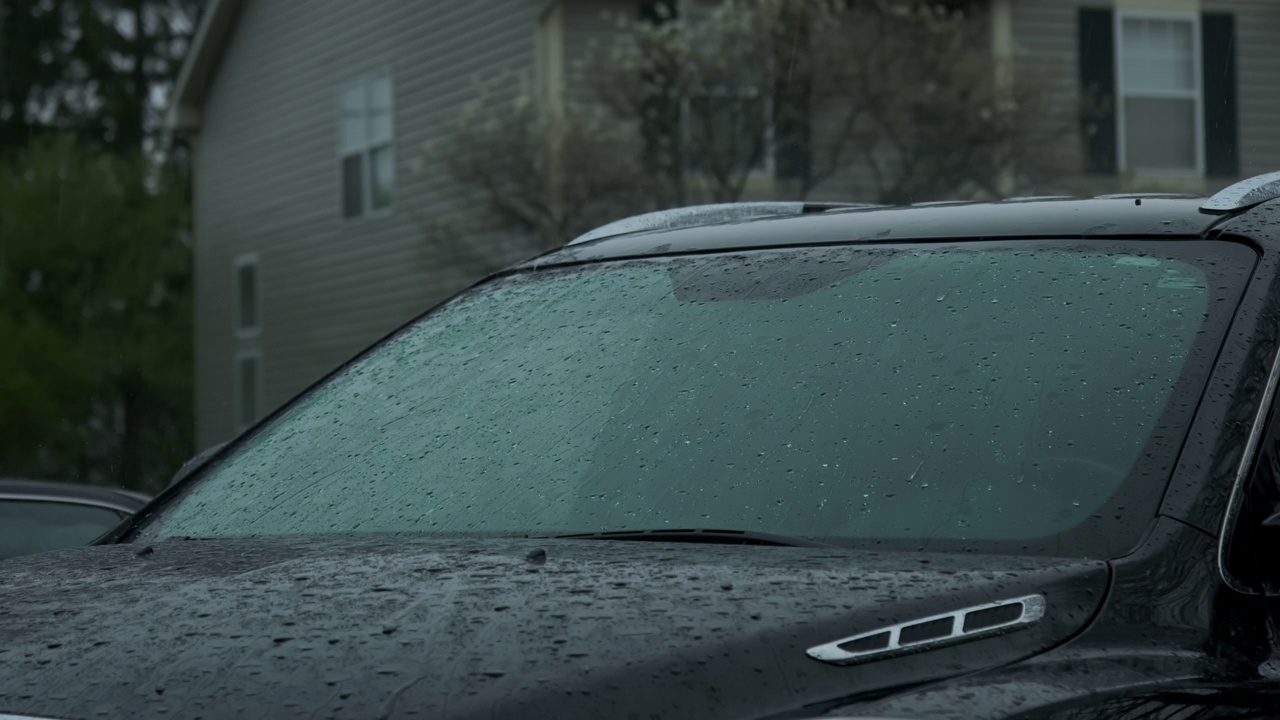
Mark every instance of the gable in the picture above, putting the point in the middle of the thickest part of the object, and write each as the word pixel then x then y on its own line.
pixel 200 68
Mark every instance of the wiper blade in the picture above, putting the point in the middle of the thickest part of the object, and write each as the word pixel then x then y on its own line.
pixel 699 535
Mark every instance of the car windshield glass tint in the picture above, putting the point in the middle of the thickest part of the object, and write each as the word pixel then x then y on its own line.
pixel 30 526
pixel 1019 397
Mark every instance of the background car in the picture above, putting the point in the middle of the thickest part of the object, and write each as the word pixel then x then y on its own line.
pixel 37 515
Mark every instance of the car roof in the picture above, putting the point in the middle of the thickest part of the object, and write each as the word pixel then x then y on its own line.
pixel 1134 216
pixel 51 491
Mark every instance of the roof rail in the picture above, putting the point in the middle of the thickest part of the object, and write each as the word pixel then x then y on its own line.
pixel 695 215
pixel 1244 194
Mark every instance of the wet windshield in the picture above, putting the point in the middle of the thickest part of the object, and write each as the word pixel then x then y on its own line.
pixel 1012 397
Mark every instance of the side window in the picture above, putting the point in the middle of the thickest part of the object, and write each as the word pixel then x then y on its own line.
pixel 247 388
pixel 366 144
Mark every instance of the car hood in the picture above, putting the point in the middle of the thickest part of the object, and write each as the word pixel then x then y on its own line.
pixel 375 627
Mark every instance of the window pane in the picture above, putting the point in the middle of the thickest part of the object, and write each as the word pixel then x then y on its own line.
pixel 248 390
pixel 351 118
pixel 383 176
pixel 380 120
pixel 247 294
pixel 1159 55
pixel 28 527
pixel 352 186
pixel 1160 134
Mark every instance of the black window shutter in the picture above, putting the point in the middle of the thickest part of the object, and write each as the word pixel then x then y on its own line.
pixel 1098 85
pixel 1221 128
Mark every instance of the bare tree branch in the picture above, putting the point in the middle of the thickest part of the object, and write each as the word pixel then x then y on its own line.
pixel 883 100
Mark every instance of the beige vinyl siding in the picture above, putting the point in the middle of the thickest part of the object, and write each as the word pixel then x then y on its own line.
pixel 268 179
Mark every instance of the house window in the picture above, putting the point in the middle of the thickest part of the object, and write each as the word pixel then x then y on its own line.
pixel 248 319
pixel 365 144
pixel 727 132
pixel 248 388
pixel 1160 108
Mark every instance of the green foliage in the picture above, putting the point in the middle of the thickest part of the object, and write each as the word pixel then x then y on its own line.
pixel 90 67
pixel 95 317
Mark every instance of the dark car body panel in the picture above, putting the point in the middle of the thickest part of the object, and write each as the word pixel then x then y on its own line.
pixel 358 627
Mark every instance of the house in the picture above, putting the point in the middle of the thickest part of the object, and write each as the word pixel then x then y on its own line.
pixel 305 120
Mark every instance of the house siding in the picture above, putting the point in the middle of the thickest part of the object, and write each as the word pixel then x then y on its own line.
pixel 267 179
pixel 1046 49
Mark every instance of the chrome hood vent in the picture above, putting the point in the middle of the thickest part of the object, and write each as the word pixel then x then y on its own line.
pixel 926 633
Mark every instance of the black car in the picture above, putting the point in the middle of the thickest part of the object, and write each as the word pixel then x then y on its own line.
pixel 1011 459
pixel 39 515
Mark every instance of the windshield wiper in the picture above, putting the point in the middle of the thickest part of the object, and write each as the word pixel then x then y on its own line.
pixel 699 535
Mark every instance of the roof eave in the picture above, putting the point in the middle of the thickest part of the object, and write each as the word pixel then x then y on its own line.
pixel 200 67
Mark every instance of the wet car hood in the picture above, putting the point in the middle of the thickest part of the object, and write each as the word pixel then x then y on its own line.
pixel 378 627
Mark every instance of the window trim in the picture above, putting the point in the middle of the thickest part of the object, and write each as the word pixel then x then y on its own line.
pixel 1196 94
pixel 365 82
pixel 237 311
pixel 237 384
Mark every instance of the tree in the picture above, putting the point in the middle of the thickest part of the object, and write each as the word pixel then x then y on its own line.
pixel 95 308
pixel 95 317
pixel 884 101
pixel 98 68
pixel 547 176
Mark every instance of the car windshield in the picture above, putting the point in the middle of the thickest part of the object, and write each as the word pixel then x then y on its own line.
pixel 1016 397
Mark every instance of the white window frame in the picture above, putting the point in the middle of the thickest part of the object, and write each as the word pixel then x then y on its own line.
pixel 1196 93
pixel 239 263
pixel 365 150
pixel 237 397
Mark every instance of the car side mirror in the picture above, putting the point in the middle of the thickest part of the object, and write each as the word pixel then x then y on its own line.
pixel 195 463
